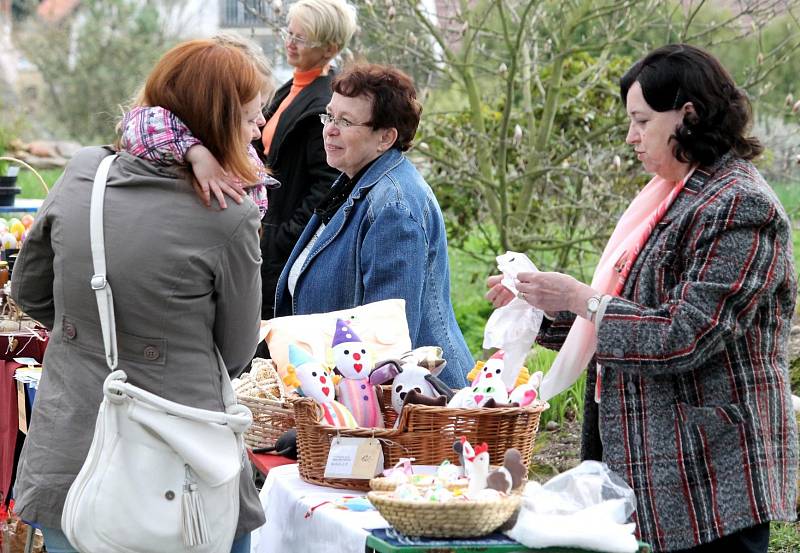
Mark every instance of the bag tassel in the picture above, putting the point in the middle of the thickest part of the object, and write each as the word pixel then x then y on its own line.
pixel 195 525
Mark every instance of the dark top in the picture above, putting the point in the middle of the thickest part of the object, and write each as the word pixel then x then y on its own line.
pixel 297 159
pixel 337 195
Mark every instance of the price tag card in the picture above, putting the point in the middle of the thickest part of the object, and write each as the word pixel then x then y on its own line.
pixel 348 457
pixel 23 415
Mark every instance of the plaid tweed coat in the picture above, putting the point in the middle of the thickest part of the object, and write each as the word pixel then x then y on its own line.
pixel 695 411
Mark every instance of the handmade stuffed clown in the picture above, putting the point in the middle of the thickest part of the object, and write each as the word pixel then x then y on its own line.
pixel 316 381
pixel 354 363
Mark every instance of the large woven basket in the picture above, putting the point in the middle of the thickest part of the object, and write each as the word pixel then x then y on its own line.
pixel 450 519
pixel 265 396
pixel 425 433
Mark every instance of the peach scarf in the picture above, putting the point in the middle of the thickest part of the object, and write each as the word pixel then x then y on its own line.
pixel 629 237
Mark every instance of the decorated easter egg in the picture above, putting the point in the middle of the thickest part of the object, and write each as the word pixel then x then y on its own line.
pixel 8 240
pixel 17 228
pixel 3 226
pixel 13 220
pixel 27 220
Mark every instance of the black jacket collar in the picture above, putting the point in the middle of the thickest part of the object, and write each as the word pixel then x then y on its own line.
pixel 309 103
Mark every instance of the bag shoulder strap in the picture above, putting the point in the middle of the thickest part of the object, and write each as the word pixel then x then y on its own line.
pixel 102 288
pixel 99 283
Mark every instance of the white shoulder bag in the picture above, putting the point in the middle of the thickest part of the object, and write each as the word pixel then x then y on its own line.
pixel 160 476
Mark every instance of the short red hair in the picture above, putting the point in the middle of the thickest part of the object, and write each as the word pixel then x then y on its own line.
pixel 394 98
pixel 205 84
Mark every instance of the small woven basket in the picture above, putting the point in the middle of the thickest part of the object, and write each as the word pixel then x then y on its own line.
pixel 450 519
pixel 263 393
pixel 424 432
pixel 382 484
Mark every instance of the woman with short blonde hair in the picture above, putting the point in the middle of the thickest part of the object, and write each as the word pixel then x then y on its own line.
pixel 325 21
pixel 291 141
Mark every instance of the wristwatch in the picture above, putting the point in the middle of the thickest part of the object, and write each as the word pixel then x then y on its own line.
pixel 592 305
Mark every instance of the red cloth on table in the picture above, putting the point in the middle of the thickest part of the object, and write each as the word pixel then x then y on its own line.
pixel 26 346
pixel 265 462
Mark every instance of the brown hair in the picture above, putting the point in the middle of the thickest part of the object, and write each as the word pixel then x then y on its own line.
pixel 675 74
pixel 205 83
pixel 394 99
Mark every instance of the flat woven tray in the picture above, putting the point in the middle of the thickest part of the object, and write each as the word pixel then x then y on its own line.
pixel 450 519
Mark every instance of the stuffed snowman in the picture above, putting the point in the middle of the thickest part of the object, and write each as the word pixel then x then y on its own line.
pixel 314 380
pixel 353 362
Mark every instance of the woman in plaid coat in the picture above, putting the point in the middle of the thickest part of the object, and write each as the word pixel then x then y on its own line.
pixel 687 320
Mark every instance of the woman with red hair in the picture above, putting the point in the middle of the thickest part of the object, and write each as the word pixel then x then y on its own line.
pixel 184 280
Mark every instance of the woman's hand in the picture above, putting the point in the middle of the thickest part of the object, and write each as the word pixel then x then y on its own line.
pixel 498 294
pixel 553 292
pixel 209 177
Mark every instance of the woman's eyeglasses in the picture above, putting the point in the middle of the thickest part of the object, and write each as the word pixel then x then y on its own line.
pixel 300 41
pixel 339 122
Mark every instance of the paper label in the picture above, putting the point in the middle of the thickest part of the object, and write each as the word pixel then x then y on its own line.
pixel 360 458
pixel 23 419
pixel 30 361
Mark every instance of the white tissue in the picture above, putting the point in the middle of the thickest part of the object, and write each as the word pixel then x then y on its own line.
pixel 586 507
pixel 580 530
pixel 513 327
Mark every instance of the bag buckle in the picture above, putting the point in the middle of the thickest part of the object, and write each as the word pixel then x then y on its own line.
pixel 98 282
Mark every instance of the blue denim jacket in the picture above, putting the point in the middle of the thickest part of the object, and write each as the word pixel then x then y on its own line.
pixel 386 241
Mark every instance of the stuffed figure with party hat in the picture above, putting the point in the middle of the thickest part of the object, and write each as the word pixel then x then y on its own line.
pixel 315 380
pixel 354 362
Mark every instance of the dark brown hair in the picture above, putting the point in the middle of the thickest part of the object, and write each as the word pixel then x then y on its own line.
pixel 394 98
pixel 675 74
pixel 205 84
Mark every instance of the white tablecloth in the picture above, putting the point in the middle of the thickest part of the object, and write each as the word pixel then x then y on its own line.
pixel 292 527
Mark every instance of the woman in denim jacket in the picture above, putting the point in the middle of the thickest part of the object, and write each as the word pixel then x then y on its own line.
pixel 379 233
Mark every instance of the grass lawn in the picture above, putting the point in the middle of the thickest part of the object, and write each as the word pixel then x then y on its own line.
pixel 30 185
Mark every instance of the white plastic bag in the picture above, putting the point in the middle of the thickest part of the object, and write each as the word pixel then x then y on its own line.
pixel 513 327
pixel 585 507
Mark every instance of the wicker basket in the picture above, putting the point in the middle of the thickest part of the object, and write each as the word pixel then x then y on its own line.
pixel 263 393
pixel 424 432
pixel 450 519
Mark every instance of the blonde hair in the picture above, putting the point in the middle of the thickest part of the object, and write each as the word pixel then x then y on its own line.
pixel 331 22
pixel 205 84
